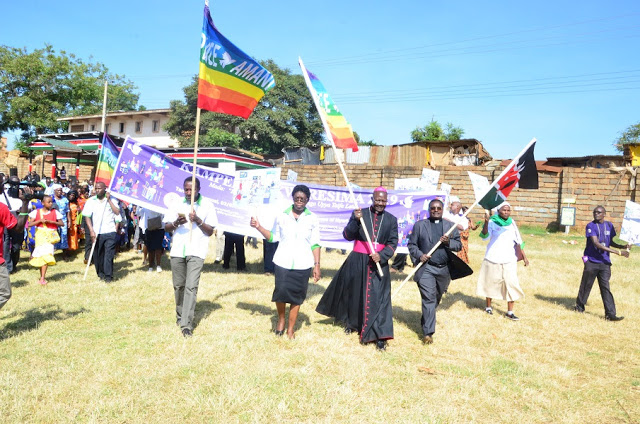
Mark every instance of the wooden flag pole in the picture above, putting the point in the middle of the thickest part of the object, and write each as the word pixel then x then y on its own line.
pixel 104 119
pixel 195 163
pixel 338 159
pixel 502 174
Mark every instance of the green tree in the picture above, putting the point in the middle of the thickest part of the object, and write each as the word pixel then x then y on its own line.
pixel 433 131
pixel 40 86
pixel 284 117
pixel 362 142
pixel 630 135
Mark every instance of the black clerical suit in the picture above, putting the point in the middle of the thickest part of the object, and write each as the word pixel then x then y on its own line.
pixel 433 277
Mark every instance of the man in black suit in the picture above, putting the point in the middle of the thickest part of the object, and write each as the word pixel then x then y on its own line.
pixel 434 276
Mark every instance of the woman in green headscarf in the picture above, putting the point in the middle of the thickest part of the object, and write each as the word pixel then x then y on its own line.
pixel 499 271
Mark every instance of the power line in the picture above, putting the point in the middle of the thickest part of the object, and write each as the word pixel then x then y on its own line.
pixel 324 62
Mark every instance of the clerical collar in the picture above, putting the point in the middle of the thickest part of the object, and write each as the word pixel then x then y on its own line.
pixel 435 221
pixel 373 210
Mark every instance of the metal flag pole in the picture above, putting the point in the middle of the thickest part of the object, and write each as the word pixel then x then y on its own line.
pixel 325 124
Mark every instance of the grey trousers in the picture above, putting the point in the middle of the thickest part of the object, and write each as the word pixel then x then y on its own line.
pixel 5 285
pixel 186 277
pixel 432 285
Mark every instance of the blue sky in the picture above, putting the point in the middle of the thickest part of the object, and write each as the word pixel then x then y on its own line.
pixel 565 72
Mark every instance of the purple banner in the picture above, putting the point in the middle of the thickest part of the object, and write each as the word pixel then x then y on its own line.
pixel 153 180
pixel 333 206
pixel 147 177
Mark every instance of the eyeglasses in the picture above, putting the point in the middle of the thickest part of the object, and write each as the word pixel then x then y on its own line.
pixel 436 208
pixel 300 199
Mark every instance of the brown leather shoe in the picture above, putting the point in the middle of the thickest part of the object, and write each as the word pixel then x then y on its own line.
pixel 427 340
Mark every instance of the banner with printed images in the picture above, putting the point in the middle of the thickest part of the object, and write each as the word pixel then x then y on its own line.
pixel 147 177
pixel 630 231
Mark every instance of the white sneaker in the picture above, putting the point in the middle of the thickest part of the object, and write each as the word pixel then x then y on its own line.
pixel 150 269
pixel 158 269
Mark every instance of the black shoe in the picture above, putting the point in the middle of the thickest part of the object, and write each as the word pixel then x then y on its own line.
pixel 614 318
pixel 577 309
pixel 279 333
pixel 511 316
pixel 349 330
pixel 381 344
pixel 225 266
pixel 186 333
pixel 108 280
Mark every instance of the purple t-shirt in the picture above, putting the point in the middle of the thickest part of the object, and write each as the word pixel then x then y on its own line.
pixel 604 232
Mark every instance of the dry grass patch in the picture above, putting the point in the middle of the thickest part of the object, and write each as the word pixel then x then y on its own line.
pixel 84 351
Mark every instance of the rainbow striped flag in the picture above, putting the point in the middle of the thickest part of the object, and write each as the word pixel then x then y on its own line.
pixel 106 161
pixel 341 131
pixel 230 81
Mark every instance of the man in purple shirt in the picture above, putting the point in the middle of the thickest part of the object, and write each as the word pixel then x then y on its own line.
pixel 597 263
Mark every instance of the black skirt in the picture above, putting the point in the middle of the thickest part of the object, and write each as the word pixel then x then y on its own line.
pixel 291 285
pixel 153 239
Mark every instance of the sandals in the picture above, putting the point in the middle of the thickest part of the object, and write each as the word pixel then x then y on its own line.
pixel 43 282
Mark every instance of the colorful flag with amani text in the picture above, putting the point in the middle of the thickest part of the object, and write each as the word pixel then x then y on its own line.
pixel 341 131
pixel 230 81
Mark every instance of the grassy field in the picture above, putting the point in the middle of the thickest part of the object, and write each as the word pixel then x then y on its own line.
pixel 84 351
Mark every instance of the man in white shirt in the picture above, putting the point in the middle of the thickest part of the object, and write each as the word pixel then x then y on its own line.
pixel 191 230
pixel 102 214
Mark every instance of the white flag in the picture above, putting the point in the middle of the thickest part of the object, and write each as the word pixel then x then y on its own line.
pixel 631 223
pixel 480 184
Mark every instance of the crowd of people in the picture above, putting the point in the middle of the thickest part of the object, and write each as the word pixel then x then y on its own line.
pixel 53 214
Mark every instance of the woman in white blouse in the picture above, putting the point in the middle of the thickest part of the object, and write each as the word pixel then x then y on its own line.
pixel 499 271
pixel 298 232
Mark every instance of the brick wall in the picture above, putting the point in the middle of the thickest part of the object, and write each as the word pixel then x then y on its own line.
pixel 590 187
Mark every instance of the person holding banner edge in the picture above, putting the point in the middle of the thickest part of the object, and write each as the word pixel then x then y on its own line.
pixel 297 230
pixel 191 225
pixel 597 263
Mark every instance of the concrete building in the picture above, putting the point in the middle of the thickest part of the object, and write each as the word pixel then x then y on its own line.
pixel 143 125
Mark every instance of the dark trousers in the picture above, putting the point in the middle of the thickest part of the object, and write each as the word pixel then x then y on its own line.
pixel 268 250
pixel 231 240
pixel 603 273
pixel 103 255
pixel 432 285
pixel 12 242
pixel 399 261
pixel 87 240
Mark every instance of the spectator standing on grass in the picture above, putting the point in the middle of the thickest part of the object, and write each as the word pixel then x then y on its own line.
pixel 597 263
pixel 499 271
pixel 151 223
pixel 298 232
pixel 12 241
pixel 46 221
pixel 63 207
pixel 74 225
pixel 189 245
pixel 358 297
pixel 9 221
pixel 439 268
pixel 454 214
pixel 232 240
pixel 102 216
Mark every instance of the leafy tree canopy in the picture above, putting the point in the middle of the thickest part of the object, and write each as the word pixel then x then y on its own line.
pixel 40 86
pixel 362 142
pixel 630 135
pixel 284 117
pixel 433 131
